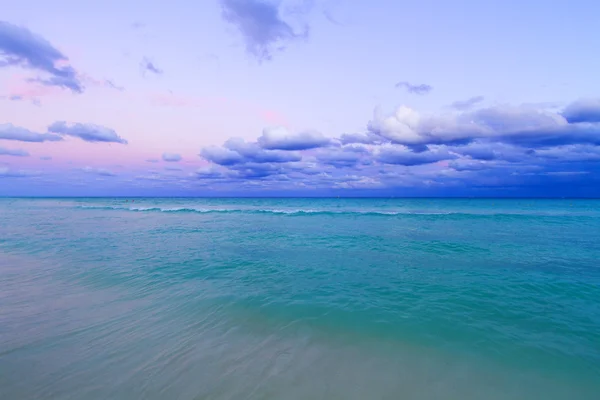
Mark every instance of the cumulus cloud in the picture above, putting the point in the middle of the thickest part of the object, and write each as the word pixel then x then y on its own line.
pixel 345 157
pixel 364 138
pixel 281 139
pixel 421 88
pixel 13 152
pixel 98 171
pixel 236 151
pixel 19 46
pixel 208 173
pixel 171 157
pixel 467 104
pixel 583 111
pixel 11 132
pixel 515 125
pixel 401 155
pixel 261 26
pixel 220 155
pixel 87 132
pixel 493 147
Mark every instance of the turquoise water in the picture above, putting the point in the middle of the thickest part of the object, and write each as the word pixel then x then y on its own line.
pixel 299 299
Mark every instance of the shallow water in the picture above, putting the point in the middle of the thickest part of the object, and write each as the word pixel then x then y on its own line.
pixel 299 299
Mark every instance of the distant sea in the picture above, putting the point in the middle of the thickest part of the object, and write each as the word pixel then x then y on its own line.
pixel 299 299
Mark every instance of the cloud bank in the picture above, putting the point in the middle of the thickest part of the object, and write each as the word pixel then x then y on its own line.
pixel 494 147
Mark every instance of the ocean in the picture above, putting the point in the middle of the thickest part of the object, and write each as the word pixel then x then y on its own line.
pixel 299 299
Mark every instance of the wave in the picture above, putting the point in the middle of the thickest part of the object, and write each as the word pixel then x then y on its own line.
pixel 328 212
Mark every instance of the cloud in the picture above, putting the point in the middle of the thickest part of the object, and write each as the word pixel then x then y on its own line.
pixel 259 22
pixel 467 104
pixel 171 157
pixel 236 151
pixel 97 171
pixel 208 173
pixel 364 138
pixel 220 155
pixel 281 139
pixel 255 153
pixel 469 165
pixel 583 111
pixel 152 160
pixel 346 157
pixel 87 132
pixel 11 173
pixel 401 155
pixel 13 152
pixel 524 148
pixel 19 46
pixel 148 65
pixel 11 132
pixel 421 89
pixel 112 85
pixel 522 126
pixel 45 158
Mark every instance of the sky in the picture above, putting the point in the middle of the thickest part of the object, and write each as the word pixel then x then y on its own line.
pixel 300 98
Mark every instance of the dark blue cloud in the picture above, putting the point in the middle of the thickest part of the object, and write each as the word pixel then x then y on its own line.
pixel 221 156
pixel 469 165
pixel 148 65
pixel 11 132
pixel 253 171
pixel 487 151
pixel 557 136
pixel 345 157
pixel 13 152
pixel 467 104
pixel 236 152
pixel 251 152
pixel 208 173
pixel 407 157
pixel 583 111
pixel 171 157
pixel 87 132
pixel 280 139
pixel 421 88
pixel 19 46
pixel 261 26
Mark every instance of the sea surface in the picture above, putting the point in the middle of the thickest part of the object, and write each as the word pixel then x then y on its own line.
pixel 299 299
